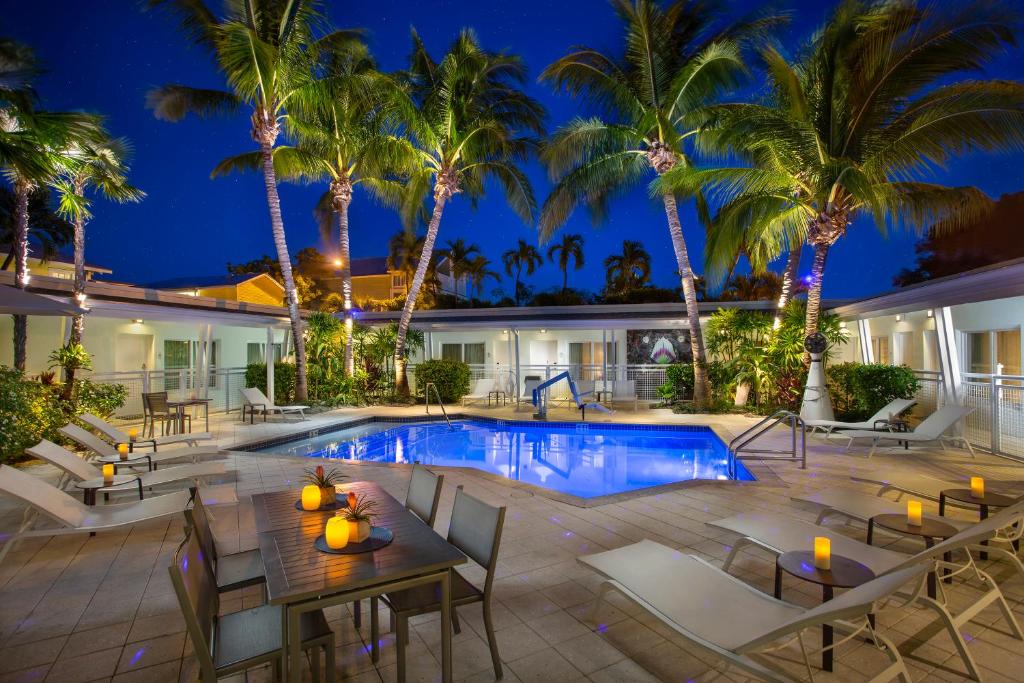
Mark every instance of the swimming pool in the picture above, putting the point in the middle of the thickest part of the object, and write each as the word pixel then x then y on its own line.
pixel 585 460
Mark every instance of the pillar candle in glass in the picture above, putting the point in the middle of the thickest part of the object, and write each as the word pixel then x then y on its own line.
pixel 133 434
pixel 914 512
pixel 336 533
pixel 977 487
pixel 822 553
pixel 122 450
pixel 108 474
pixel 310 497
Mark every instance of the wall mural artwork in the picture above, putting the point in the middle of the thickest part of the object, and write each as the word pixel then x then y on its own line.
pixel 658 346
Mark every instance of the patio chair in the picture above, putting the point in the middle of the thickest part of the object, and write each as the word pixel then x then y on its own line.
pixel 530 382
pixel 78 469
pixel 929 488
pixel 895 407
pixel 73 516
pixel 624 391
pixel 154 407
pixel 257 400
pixel 233 571
pixel 581 404
pixel 108 453
pixel 116 436
pixel 734 621
pixel 475 529
pixel 231 643
pixel 931 430
pixel 480 392
pixel 776 534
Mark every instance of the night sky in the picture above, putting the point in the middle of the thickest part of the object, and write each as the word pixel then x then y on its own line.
pixel 103 55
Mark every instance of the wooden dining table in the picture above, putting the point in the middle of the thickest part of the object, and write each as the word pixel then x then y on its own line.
pixel 301 578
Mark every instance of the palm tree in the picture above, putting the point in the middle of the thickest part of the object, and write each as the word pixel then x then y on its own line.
pixel 471 121
pixel 266 51
pixel 629 270
pixel 46 227
pixel 404 249
pixel 854 126
pixel 569 249
pixel 525 255
pixel 460 256
pixel 674 61
pixel 477 272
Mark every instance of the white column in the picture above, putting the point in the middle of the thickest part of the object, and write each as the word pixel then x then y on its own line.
pixel 949 358
pixel 270 363
pixel 867 354
pixel 604 359
pixel 199 379
pixel 615 350
pixel 515 383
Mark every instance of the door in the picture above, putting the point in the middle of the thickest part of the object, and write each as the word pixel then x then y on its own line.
pixel 133 352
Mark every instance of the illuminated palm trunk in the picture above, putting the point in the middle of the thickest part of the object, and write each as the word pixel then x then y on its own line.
pixel 21 190
pixel 814 293
pixel 78 321
pixel 789 276
pixel 342 191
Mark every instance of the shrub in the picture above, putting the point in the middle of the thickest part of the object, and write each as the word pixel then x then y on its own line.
pixel 450 376
pixel 679 382
pixel 858 390
pixel 98 399
pixel 284 380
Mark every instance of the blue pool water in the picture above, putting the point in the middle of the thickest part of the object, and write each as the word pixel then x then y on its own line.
pixel 584 460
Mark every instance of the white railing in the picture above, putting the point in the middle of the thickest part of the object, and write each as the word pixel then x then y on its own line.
pixel 224 387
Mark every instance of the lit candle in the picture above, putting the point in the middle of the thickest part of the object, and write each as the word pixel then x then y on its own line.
pixel 336 533
pixel 977 487
pixel 108 474
pixel 122 450
pixel 310 497
pixel 352 500
pixel 822 553
pixel 914 512
pixel 133 434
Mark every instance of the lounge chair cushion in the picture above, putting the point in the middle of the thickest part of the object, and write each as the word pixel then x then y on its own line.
pixel 255 632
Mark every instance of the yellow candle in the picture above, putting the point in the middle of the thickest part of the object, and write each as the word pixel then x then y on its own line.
pixel 336 533
pixel 133 434
pixel 310 497
pixel 914 512
pixel 822 553
pixel 108 474
pixel 977 487
pixel 122 450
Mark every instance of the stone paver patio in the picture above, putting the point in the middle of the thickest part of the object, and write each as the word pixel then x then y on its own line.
pixel 75 608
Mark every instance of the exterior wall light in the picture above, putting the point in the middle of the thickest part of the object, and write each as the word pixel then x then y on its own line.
pixel 138 321
pixel 899 318
pixel 931 313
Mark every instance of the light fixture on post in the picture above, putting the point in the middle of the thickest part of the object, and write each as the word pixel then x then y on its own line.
pixel 337 263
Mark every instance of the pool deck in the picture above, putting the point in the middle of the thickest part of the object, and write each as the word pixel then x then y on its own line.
pixel 76 608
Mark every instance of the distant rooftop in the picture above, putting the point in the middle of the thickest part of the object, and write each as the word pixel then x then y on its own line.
pixel 373 265
pixel 202 281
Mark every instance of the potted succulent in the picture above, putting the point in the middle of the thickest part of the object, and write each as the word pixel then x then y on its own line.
pixel 325 481
pixel 359 516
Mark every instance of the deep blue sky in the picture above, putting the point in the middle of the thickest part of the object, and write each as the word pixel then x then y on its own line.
pixel 104 56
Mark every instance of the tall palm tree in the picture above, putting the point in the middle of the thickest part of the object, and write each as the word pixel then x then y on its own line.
pixel 46 227
pixel 460 255
pixel 404 249
pixel 674 60
pixel 477 272
pixel 266 51
pixel 629 270
pixel 524 256
pixel 471 121
pixel 857 124
pixel 569 249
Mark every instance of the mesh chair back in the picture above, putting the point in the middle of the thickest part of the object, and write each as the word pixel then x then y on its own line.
pixel 475 529
pixel 36 493
pixel 424 493
pixel 156 402
pixel 199 524
pixel 86 438
pixel 50 452
pixel 942 419
pixel 108 430
pixel 196 588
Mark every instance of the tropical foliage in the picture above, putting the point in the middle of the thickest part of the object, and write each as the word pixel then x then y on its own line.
pixel 524 257
pixel 629 270
pixel 858 390
pixel 451 377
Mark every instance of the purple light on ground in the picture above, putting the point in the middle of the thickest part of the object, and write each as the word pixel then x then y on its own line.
pixel 137 656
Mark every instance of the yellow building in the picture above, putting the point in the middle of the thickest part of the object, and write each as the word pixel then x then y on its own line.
pixel 373 281
pixel 253 288
pixel 61 267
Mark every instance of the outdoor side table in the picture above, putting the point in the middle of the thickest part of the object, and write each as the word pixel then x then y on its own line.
pixel 116 461
pixel 180 406
pixel 930 529
pixel 90 487
pixel 500 397
pixel 845 573
pixel 894 425
pixel 598 393
pixel 990 499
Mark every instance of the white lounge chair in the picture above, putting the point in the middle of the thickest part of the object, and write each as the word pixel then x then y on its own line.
pixel 116 436
pixel 931 430
pixel 895 407
pixel 733 620
pixel 71 515
pixel 105 453
pixel 78 469
pixel 624 391
pixel 480 392
pixel 929 488
pixel 776 534
pixel 257 400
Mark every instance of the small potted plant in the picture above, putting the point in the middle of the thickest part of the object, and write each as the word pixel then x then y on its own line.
pixel 359 518
pixel 325 481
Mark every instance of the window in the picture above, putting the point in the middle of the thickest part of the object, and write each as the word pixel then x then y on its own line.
pixel 451 351
pixel 475 354
pixel 184 355
pixel 397 280
pixel 880 350
pixel 255 352
pixel 993 352
pixel 61 274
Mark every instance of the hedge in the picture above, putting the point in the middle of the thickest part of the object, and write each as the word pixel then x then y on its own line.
pixel 451 377
pixel 284 380
pixel 858 391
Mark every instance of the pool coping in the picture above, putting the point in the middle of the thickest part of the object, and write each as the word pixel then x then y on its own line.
pixel 763 475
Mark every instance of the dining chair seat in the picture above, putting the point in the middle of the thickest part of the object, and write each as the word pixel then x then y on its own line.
pixel 252 633
pixel 240 570
pixel 426 599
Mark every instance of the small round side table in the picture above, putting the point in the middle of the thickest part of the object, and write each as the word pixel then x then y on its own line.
pixel 845 573
pixel 90 487
pixel 131 461
pixel 990 499
pixel 930 529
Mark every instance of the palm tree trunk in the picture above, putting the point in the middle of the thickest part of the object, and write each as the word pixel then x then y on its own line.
pixel 78 289
pixel 700 379
pixel 401 381
pixel 814 294
pixel 565 278
pixel 789 276
pixel 343 199
pixel 21 190
pixel 284 259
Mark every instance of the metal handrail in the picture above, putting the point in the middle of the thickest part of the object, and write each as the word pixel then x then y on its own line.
pixel 426 395
pixel 751 434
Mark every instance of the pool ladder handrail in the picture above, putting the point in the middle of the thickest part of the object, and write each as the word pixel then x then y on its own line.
pixel 742 442
pixel 426 394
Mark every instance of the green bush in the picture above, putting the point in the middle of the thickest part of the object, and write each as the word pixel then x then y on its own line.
pixel 98 399
pixel 450 376
pixel 284 380
pixel 858 391
pixel 679 382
